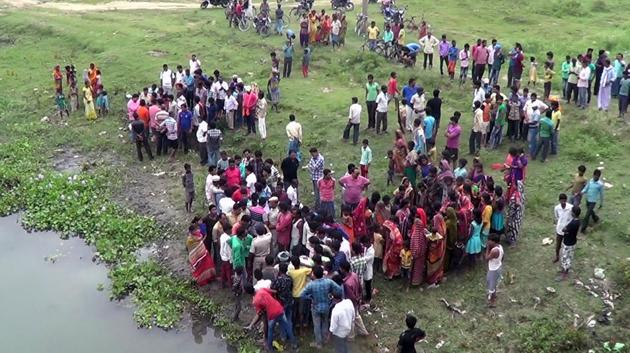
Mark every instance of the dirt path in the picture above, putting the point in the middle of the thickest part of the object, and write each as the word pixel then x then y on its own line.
pixel 120 5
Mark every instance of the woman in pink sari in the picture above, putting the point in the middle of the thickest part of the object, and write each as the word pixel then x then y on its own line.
pixel 392 254
pixel 200 261
pixel 437 250
pixel 418 246
pixel 283 227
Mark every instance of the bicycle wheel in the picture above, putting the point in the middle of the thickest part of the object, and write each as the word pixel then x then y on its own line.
pixel 349 6
pixel 243 24
pixel 294 12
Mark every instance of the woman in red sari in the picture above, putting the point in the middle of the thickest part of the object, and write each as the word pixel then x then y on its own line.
pixel 358 220
pixel 392 254
pixel 200 261
pixel 283 227
pixel 437 250
pixel 418 246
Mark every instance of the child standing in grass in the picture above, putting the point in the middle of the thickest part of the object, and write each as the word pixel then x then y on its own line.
pixel 74 96
pixel 188 182
pixel 102 102
pixel 60 101
pixel 306 61
pixel 533 75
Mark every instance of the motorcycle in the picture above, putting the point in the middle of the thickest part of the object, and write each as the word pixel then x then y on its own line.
pixel 393 14
pixel 344 5
pixel 262 24
pixel 222 3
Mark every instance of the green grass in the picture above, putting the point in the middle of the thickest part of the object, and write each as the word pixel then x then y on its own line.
pixel 120 42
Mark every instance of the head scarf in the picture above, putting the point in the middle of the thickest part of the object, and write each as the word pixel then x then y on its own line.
pixel 422 215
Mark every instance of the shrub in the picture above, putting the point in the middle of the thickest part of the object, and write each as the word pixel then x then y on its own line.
pixel 551 335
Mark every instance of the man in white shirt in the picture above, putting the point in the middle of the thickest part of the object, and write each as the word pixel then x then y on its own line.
pixel 195 64
pixel 179 75
pixel 528 108
pixel 582 84
pixel 428 44
pixel 336 28
pixel 202 130
pixel 474 142
pixel 231 104
pixel 225 253
pixel 166 79
pixel 354 119
pixel 562 215
pixel 418 103
pixel 341 321
pixel 292 193
pixel 250 178
pixel 479 94
pixel 210 188
pixel 491 49
pixel 381 111
pixel 294 134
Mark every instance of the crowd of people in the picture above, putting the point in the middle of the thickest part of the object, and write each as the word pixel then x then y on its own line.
pixel 314 265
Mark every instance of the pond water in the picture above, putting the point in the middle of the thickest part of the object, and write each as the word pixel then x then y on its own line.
pixel 50 303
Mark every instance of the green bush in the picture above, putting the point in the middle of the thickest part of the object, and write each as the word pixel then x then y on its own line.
pixel 551 335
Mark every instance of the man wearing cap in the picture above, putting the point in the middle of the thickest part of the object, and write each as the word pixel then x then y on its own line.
pixel 419 103
pixel 261 246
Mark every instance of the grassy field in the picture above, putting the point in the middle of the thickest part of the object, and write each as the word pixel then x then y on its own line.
pixel 33 40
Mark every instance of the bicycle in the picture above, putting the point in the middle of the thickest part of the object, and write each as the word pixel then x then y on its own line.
pixel 410 23
pixel 298 11
pixel 244 23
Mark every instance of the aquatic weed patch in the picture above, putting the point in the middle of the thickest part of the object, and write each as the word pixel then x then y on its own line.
pixel 79 205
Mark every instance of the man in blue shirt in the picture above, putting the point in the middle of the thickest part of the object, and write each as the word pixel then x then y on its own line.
pixel 594 191
pixel 319 291
pixel 288 58
pixel 429 125
pixel 408 91
pixel 185 127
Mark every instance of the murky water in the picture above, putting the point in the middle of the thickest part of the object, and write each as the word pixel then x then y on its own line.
pixel 50 303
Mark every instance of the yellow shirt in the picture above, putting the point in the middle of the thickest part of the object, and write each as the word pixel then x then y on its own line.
pixel 401 36
pixel 373 32
pixel 299 277
pixel 556 117
pixel 405 258
pixel 485 218
pixel 549 75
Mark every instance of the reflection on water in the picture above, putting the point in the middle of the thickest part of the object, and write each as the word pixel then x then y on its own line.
pixel 50 303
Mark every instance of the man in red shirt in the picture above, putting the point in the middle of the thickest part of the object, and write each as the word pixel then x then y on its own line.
pixel 264 301
pixel 393 92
